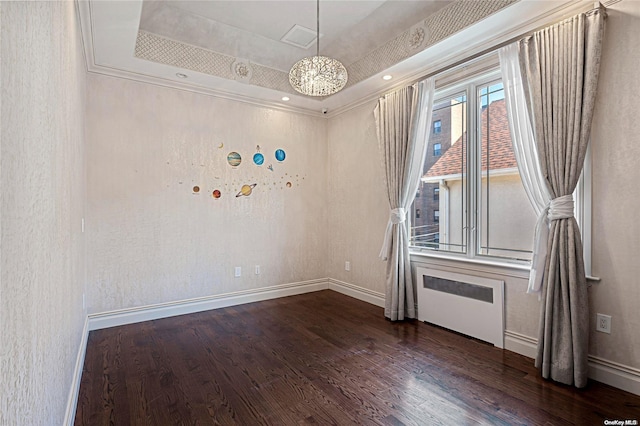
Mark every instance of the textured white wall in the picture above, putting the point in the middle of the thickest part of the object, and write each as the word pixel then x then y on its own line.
pixel 42 178
pixel 357 201
pixel 616 229
pixel 151 240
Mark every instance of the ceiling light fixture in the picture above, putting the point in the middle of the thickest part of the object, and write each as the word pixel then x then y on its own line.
pixel 285 98
pixel 387 77
pixel 318 75
pixel 181 75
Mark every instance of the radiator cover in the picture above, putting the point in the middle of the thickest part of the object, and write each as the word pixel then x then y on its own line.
pixel 464 303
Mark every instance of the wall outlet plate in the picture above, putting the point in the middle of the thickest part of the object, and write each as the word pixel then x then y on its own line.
pixel 603 323
pixel 238 271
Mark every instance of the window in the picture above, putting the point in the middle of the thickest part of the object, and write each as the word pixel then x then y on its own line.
pixel 418 213
pixel 505 217
pixel 484 210
pixel 437 127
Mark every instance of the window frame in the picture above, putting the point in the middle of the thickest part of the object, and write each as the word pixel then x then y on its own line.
pixel 461 79
pixel 438 127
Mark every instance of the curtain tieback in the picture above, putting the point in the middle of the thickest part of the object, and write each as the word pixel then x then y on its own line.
pixel 561 208
pixel 558 208
pixel 396 216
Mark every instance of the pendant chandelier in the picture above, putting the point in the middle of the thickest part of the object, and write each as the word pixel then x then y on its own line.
pixel 318 75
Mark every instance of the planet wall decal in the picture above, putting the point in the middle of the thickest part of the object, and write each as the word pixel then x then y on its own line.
pixel 234 159
pixel 280 155
pixel 258 159
pixel 246 190
pixel 196 189
pixel 216 194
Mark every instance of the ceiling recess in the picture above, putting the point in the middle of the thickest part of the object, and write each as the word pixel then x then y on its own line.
pixel 299 36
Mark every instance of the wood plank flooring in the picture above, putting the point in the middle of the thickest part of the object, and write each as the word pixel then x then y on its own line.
pixel 320 358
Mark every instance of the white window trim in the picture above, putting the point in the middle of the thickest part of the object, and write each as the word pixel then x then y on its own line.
pixel 583 211
pixel 457 80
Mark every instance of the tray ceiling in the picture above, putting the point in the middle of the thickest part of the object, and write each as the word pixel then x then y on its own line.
pixel 236 48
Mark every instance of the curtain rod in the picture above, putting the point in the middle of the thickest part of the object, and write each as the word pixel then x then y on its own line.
pixel 492 49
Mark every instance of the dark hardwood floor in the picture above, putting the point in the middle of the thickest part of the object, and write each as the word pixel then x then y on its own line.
pixel 320 358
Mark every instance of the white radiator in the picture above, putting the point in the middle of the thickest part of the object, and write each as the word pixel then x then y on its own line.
pixel 464 303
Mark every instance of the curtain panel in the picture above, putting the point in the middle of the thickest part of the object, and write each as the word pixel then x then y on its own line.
pixel 526 153
pixel 402 119
pixel 559 67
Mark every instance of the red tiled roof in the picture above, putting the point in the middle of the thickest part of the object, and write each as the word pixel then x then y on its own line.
pixel 454 160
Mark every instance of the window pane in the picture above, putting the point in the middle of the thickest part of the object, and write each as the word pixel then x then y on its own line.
pixel 506 219
pixel 442 222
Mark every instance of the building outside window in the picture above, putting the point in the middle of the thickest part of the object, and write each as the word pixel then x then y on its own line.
pixel 427 230
pixel 483 210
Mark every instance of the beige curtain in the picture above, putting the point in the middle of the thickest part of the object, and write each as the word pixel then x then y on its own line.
pixel 560 67
pixel 402 123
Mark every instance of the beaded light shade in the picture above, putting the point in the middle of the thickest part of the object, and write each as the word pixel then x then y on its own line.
pixel 318 75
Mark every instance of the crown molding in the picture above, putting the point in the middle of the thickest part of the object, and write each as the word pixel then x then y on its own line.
pixel 453 51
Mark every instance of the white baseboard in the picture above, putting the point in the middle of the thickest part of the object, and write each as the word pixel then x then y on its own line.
pixel 521 344
pixel 72 402
pixel 614 374
pixel 189 306
pixel 608 372
pixel 357 292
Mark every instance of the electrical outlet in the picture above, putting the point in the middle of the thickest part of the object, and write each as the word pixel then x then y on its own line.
pixel 603 323
pixel 238 271
pixel 347 266
pixel 257 269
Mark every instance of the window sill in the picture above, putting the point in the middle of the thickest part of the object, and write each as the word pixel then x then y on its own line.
pixel 416 255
